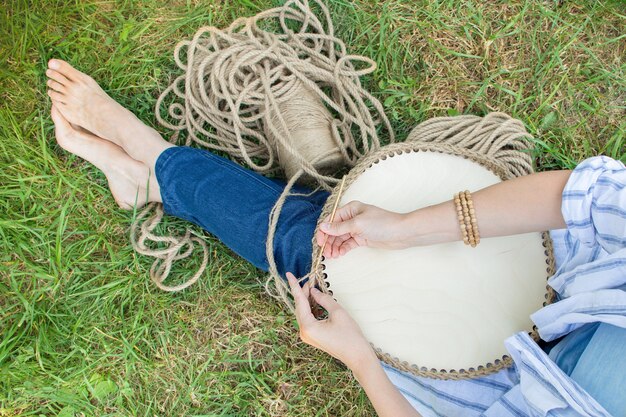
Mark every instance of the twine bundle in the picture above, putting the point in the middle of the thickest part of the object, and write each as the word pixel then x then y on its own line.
pixel 286 99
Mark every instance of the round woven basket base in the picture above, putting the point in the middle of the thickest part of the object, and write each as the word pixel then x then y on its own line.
pixel 445 304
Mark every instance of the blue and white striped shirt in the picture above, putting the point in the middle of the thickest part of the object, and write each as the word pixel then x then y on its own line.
pixel 590 282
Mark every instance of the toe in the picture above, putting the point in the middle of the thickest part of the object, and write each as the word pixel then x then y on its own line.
pixel 57 76
pixel 56 96
pixel 66 137
pixel 56 86
pixel 123 205
pixel 60 123
pixel 65 69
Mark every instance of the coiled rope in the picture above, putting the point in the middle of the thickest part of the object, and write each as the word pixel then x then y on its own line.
pixel 276 92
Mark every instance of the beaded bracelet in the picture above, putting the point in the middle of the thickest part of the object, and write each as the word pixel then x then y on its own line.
pixel 473 221
pixel 467 218
pixel 458 200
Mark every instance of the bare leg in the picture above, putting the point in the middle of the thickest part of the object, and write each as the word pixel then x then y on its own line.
pixel 129 180
pixel 82 102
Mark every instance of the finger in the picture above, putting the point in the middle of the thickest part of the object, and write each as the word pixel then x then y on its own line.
pixel 329 244
pixel 335 248
pixel 341 242
pixel 338 242
pixel 301 299
pixel 320 237
pixel 343 222
pixel 335 242
pixel 332 243
pixel 350 210
pixel 294 286
pixel 338 228
pixel 325 300
pixel 345 247
pixel 350 244
pixel 328 250
pixel 323 238
pixel 306 290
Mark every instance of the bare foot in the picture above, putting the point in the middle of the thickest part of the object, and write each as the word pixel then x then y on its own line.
pixel 129 180
pixel 82 102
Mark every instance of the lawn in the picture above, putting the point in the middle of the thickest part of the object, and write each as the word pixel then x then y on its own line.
pixel 85 332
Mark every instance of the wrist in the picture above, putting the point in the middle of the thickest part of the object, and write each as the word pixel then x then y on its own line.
pixel 366 368
pixel 362 362
pixel 432 225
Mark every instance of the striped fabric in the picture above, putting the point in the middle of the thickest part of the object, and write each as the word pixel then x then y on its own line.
pixel 591 284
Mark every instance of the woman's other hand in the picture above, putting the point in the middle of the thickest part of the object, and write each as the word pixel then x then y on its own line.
pixel 342 338
pixel 359 224
pixel 337 335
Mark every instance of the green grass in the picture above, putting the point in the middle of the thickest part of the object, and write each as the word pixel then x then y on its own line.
pixel 83 329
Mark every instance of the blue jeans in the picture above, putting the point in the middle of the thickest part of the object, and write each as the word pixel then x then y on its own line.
pixel 234 204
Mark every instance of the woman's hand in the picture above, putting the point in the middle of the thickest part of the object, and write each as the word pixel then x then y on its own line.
pixel 359 224
pixel 341 337
pixel 338 335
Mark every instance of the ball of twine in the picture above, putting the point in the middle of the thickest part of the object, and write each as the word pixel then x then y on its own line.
pixel 276 92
